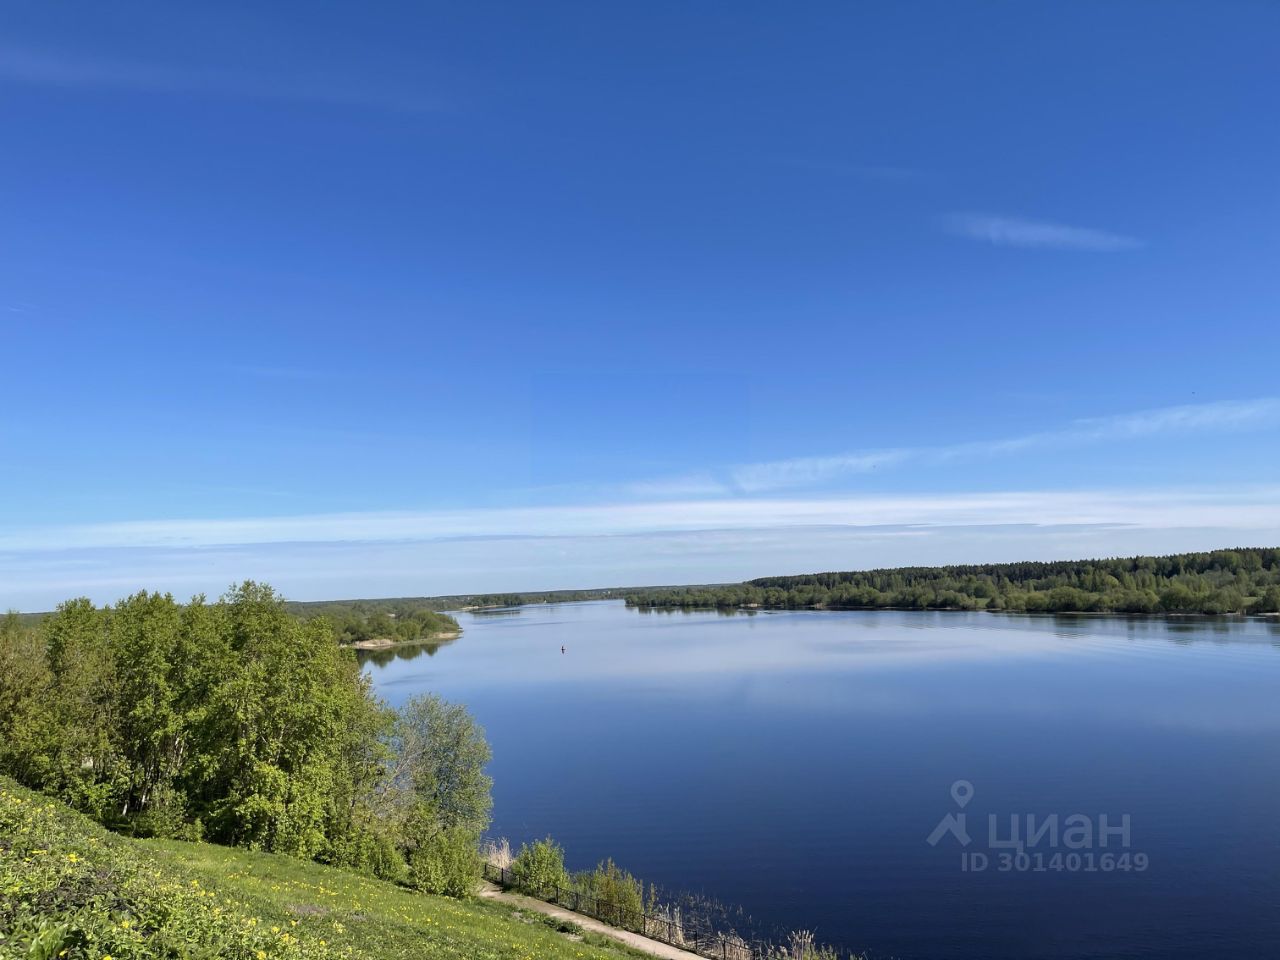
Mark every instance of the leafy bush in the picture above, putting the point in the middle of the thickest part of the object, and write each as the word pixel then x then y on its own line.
pixel 1269 602
pixel 619 893
pixel 539 867
pixel 446 862
pixel 369 851
pixel 166 817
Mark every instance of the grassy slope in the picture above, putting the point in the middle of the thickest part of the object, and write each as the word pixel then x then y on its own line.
pixel 379 919
pixel 70 889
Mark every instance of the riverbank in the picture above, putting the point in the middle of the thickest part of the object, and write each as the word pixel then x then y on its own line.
pixel 754 608
pixel 388 643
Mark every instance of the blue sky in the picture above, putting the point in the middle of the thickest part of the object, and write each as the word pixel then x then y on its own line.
pixel 439 298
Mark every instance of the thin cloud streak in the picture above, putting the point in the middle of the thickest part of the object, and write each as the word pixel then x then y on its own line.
pixel 1236 509
pixel 1036 234
pixel 45 69
pixel 809 471
pixel 1229 416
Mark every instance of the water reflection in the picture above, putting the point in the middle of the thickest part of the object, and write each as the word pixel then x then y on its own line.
pixel 699 611
pixel 402 651
pixel 492 612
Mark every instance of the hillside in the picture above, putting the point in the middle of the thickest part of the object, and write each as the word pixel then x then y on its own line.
pixel 70 889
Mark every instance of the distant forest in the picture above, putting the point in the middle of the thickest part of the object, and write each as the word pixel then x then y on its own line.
pixel 1245 580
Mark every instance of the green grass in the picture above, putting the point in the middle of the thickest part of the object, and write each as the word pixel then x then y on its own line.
pixel 71 890
pixel 375 918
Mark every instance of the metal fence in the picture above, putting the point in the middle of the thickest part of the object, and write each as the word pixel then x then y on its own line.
pixel 716 946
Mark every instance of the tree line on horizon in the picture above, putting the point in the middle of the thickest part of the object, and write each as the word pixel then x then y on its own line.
pixel 1245 580
pixel 238 723
pixel 338 612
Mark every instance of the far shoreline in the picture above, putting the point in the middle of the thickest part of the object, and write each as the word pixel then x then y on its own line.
pixel 1160 615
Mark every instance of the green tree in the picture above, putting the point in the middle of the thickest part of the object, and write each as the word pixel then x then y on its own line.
pixel 439 757
pixel 82 764
pixel 144 633
pixel 26 729
pixel 278 726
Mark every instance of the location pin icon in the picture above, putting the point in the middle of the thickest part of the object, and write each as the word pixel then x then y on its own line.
pixel 962 792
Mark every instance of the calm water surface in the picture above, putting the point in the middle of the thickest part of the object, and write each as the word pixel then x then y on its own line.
pixel 795 764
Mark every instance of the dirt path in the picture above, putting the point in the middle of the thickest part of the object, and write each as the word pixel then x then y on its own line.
pixel 654 947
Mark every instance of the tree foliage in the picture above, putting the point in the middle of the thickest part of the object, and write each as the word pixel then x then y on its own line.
pixel 1245 580
pixel 539 867
pixel 237 722
pixel 396 620
pixel 441 754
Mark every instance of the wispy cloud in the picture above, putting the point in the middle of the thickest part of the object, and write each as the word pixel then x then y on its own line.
pixel 1223 416
pixel 1262 413
pixel 1232 508
pixel 1036 234
pixel 44 68
pixel 811 471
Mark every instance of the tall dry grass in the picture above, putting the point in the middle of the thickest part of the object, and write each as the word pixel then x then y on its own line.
pixel 497 853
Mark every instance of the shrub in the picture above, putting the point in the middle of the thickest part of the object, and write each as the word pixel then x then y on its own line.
pixel 539 867
pixel 368 851
pixel 619 895
pixel 446 862
pixel 165 817
pixel 1269 602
